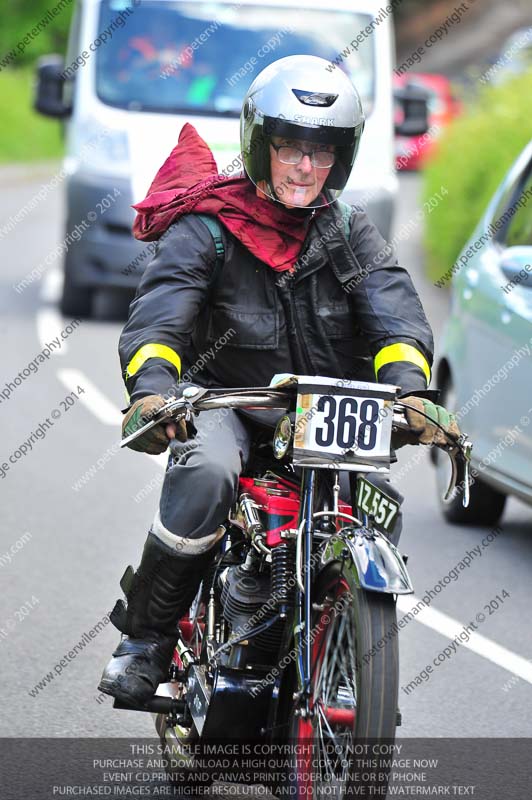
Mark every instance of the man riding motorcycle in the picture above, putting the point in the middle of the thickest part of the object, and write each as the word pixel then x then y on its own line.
pixel 291 297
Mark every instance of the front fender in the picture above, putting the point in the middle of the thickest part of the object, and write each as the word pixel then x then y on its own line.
pixel 373 562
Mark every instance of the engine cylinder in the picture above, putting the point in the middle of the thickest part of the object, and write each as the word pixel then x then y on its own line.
pixel 245 601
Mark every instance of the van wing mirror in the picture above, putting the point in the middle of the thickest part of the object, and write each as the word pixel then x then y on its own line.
pixel 413 102
pixel 50 85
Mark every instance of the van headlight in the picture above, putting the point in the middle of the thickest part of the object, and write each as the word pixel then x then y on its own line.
pixel 98 148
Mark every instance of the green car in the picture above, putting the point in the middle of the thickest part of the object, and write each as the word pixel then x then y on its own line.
pixel 484 369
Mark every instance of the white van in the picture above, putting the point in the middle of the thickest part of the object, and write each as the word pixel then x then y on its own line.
pixel 137 70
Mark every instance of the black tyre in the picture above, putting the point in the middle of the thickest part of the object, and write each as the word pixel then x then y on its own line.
pixel 353 695
pixel 485 503
pixel 184 763
pixel 112 305
pixel 76 301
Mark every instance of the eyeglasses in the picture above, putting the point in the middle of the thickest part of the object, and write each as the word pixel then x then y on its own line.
pixel 322 159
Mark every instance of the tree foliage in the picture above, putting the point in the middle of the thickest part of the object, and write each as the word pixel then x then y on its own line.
pixel 22 17
pixel 473 156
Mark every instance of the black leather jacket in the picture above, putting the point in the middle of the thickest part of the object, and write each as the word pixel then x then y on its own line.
pixel 348 312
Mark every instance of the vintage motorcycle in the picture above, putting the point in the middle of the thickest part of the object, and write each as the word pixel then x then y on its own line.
pixel 289 639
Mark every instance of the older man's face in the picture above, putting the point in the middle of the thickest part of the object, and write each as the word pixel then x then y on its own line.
pixel 298 184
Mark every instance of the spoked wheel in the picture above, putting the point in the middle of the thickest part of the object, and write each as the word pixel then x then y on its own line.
pixel 353 694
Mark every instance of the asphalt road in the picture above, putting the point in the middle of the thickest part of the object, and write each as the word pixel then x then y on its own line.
pixel 74 539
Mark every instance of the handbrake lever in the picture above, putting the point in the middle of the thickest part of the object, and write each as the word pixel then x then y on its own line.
pixel 460 455
pixel 459 452
pixel 172 410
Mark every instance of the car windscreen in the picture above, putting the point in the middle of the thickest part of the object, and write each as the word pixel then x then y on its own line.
pixel 199 57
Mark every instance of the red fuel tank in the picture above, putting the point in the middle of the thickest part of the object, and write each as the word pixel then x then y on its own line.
pixel 277 505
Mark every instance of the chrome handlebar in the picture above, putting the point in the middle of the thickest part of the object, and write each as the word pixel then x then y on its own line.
pixel 196 399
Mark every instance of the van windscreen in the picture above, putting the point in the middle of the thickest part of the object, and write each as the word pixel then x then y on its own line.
pixel 200 57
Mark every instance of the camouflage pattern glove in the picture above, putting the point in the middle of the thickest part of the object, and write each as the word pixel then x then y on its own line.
pixel 157 439
pixel 422 431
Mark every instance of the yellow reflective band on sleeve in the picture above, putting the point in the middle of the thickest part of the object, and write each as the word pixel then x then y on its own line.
pixel 402 352
pixel 153 350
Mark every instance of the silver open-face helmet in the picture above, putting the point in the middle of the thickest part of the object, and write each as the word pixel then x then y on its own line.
pixel 297 97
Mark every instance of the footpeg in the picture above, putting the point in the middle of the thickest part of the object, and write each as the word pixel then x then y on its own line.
pixel 157 704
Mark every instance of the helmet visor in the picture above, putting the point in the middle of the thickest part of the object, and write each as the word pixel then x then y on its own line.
pixel 295 163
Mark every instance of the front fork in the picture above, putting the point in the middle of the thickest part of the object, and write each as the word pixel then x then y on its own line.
pixel 373 564
pixel 303 605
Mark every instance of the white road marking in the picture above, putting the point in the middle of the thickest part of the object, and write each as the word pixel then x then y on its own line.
pixel 102 408
pixel 52 285
pixel 161 460
pixel 481 645
pixel 50 323
pixel 92 398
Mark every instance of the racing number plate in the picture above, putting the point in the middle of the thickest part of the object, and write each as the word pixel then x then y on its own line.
pixel 377 505
pixel 343 424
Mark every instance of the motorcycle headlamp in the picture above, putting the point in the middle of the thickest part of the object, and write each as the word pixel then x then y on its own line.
pixel 282 437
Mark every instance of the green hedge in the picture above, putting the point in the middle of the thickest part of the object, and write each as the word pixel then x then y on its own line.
pixel 24 134
pixel 474 155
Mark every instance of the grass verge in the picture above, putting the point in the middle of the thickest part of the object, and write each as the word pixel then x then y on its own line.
pixel 24 134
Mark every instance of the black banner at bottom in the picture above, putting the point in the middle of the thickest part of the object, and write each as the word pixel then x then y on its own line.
pixel 482 769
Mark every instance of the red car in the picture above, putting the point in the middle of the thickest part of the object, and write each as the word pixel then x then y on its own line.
pixel 412 152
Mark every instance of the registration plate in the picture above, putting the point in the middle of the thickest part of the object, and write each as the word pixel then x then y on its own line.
pixel 376 504
pixel 343 424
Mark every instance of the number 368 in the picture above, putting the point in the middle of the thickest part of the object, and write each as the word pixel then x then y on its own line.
pixel 347 423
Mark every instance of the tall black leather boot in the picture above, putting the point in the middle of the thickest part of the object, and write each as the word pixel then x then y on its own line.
pixel 158 594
